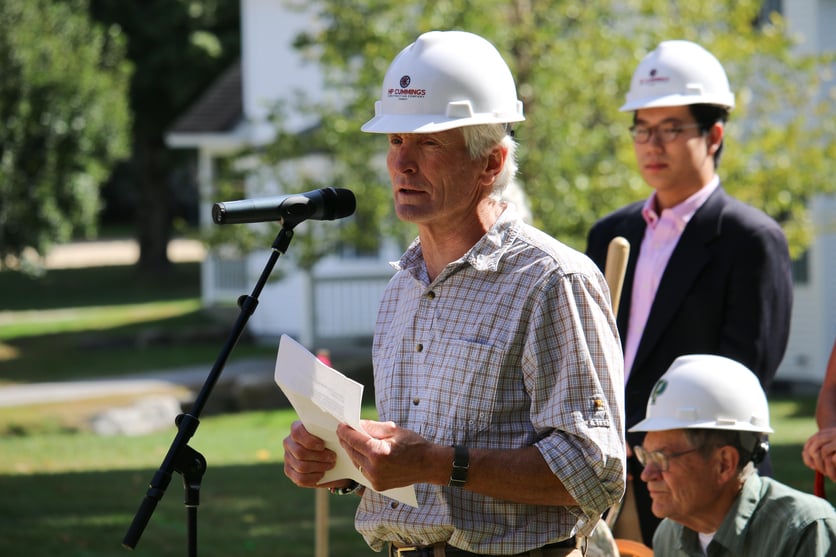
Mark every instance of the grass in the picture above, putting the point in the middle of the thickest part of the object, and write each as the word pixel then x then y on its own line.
pixel 76 495
pixel 107 321
pixel 793 420
pixel 96 286
pixel 69 492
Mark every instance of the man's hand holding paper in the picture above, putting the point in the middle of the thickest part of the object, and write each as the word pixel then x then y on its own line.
pixel 324 398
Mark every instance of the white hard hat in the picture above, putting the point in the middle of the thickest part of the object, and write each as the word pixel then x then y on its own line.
pixel 678 73
pixel 445 80
pixel 703 391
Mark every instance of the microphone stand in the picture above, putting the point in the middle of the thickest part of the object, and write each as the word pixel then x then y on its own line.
pixel 181 458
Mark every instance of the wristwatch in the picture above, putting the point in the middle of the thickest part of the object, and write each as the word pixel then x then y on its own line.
pixel 461 463
pixel 348 490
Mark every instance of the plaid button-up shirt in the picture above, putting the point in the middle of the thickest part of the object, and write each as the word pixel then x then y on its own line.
pixel 512 345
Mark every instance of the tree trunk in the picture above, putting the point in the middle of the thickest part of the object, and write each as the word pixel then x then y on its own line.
pixel 154 205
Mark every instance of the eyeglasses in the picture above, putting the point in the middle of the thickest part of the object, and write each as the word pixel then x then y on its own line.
pixel 660 459
pixel 665 132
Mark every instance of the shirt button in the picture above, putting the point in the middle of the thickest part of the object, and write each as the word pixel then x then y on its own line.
pixel 416 401
pixel 431 295
pixel 393 505
pixel 419 347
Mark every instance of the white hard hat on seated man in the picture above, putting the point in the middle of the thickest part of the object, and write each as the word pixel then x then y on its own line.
pixel 706 392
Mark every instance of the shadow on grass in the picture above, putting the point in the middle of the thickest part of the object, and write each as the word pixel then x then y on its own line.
pixel 244 510
pixel 96 286
pixel 788 404
pixel 189 339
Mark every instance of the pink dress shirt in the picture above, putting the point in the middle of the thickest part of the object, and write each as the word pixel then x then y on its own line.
pixel 660 238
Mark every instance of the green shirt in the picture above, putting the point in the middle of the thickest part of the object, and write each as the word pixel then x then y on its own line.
pixel 768 518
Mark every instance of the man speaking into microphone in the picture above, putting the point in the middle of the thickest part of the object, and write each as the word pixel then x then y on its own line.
pixel 497 366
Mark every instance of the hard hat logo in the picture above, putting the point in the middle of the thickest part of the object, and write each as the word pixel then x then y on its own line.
pixel 654 78
pixel 407 93
pixel 404 92
pixel 658 389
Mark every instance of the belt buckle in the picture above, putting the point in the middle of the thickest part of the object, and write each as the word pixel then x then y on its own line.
pixel 404 551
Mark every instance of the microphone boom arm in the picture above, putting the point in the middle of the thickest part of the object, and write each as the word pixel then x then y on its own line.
pixel 181 458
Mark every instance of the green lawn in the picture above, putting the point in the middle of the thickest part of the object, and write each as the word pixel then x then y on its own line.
pixel 108 321
pixel 69 492
pixel 75 495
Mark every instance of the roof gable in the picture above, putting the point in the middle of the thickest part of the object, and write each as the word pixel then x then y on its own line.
pixel 219 109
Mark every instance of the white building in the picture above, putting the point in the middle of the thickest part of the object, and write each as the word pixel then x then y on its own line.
pixel 340 300
pixel 813 327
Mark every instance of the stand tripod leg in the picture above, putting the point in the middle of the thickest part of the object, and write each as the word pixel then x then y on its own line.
pixel 191 465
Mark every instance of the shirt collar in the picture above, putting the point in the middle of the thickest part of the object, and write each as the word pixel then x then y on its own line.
pixel 730 533
pixel 682 213
pixel 485 255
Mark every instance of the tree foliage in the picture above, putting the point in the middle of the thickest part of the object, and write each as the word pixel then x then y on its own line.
pixel 178 47
pixel 63 121
pixel 572 60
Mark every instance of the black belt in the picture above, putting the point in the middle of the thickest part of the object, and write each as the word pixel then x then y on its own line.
pixel 450 551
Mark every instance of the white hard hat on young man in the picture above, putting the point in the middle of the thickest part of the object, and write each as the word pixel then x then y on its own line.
pixel 445 80
pixel 703 391
pixel 678 73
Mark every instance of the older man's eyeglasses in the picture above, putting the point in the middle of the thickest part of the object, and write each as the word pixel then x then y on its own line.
pixel 661 460
pixel 665 132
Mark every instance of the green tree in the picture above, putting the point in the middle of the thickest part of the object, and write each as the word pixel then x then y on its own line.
pixel 63 122
pixel 178 47
pixel 573 60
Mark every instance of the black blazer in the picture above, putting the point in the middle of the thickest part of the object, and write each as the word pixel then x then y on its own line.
pixel 727 290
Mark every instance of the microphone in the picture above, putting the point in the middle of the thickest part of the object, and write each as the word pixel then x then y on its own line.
pixel 322 204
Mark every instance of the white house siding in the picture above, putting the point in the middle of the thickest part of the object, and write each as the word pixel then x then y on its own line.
pixel 813 327
pixel 272 70
pixel 825 211
pixel 338 301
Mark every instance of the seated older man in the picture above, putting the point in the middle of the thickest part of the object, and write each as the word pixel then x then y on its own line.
pixel 707 424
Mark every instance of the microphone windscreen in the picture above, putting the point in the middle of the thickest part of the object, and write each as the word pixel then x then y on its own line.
pixel 344 203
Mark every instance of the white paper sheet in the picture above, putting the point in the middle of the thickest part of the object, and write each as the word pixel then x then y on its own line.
pixel 323 397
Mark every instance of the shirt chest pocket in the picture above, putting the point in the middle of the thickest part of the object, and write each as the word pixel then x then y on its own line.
pixel 462 383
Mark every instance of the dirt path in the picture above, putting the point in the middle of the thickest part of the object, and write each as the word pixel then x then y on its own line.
pixel 117 252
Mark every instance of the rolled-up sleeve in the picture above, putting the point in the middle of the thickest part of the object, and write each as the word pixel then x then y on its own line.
pixel 573 368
